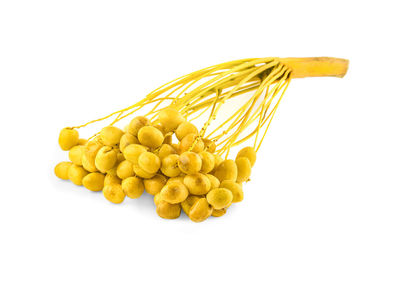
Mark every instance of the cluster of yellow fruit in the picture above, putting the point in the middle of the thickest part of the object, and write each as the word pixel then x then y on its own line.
pixel 188 175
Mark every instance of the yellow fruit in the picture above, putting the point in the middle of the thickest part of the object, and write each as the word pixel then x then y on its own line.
pixel 219 198
pixel 218 213
pixel 76 174
pixel 111 179
pixel 168 139
pixel 197 184
pixel 176 179
pixel 227 170
pixel 111 135
pixel 114 193
pixel 157 199
pixel 136 124
pixel 189 202
pixel 209 145
pixel 105 159
pixel 142 173
pixel 207 162
pixel 170 119
pixel 133 187
pixel 235 188
pixel 94 181
pixel 125 170
pixel 214 181
pixel 249 153
pixel 61 170
pixel 68 138
pixel 89 155
pixel 150 136
pixel 75 154
pixel 184 129
pixel 155 184
pixel 188 141
pixel 217 161
pixel 133 151
pixel 200 210
pixel 189 162
pixel 169 165
pixel 167 210
pixel 149 162
pixel 82 141
pixel 126 140
pixel 166 150
pixel 174 193
pixel 244 169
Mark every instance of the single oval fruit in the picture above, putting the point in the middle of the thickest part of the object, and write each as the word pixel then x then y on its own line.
pixel 125 169
pixel 114 193
pixel 149 162
pixel 68 138
pixel 105 159
pixel 133 187
pixel 93 181
pixel 150 137
pixel 61 170
pixel 155 184
pixel 170 119
pixel 220 198
pixel 169 165
pixel 227 170
pixel 198 184
pixel 75 154
pixel 189 162
pixel 167 210
pixel 184 129
pixel 244 169
pixel 174 193
pixel 111 135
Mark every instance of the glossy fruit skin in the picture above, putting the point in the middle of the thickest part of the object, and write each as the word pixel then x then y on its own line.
pixel 249 153
pixel 76 174
pixel 191 142
pixel 133 151
pixel 227 170
pixel 114 193
pixel 169 166
pixel 184 129
pixel 136 124
pixel 244 169
pixel 207 162
pixel 142 173
pixel 149 162
pixel 126 140
pixel 167 210
pixel 200 210
pixel 89 155
pixel 125 170
pixel 174 193
pixel 189 202
pixel 189 162
pixel 197 184
pixel 155 184
pixel 106 159
pixel 61 170
pixel 150 137
pixel 219 198
pixel 111 179
pixel 170 119
pixel 111 135
pixel 68 138
pixel 94 181
pixel 214 181
pixel 218 213
pixel 133 187
pixel 235 188
pixel 166 150
pixel 75 154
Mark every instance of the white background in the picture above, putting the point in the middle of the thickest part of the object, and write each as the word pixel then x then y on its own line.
pixel 324 200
